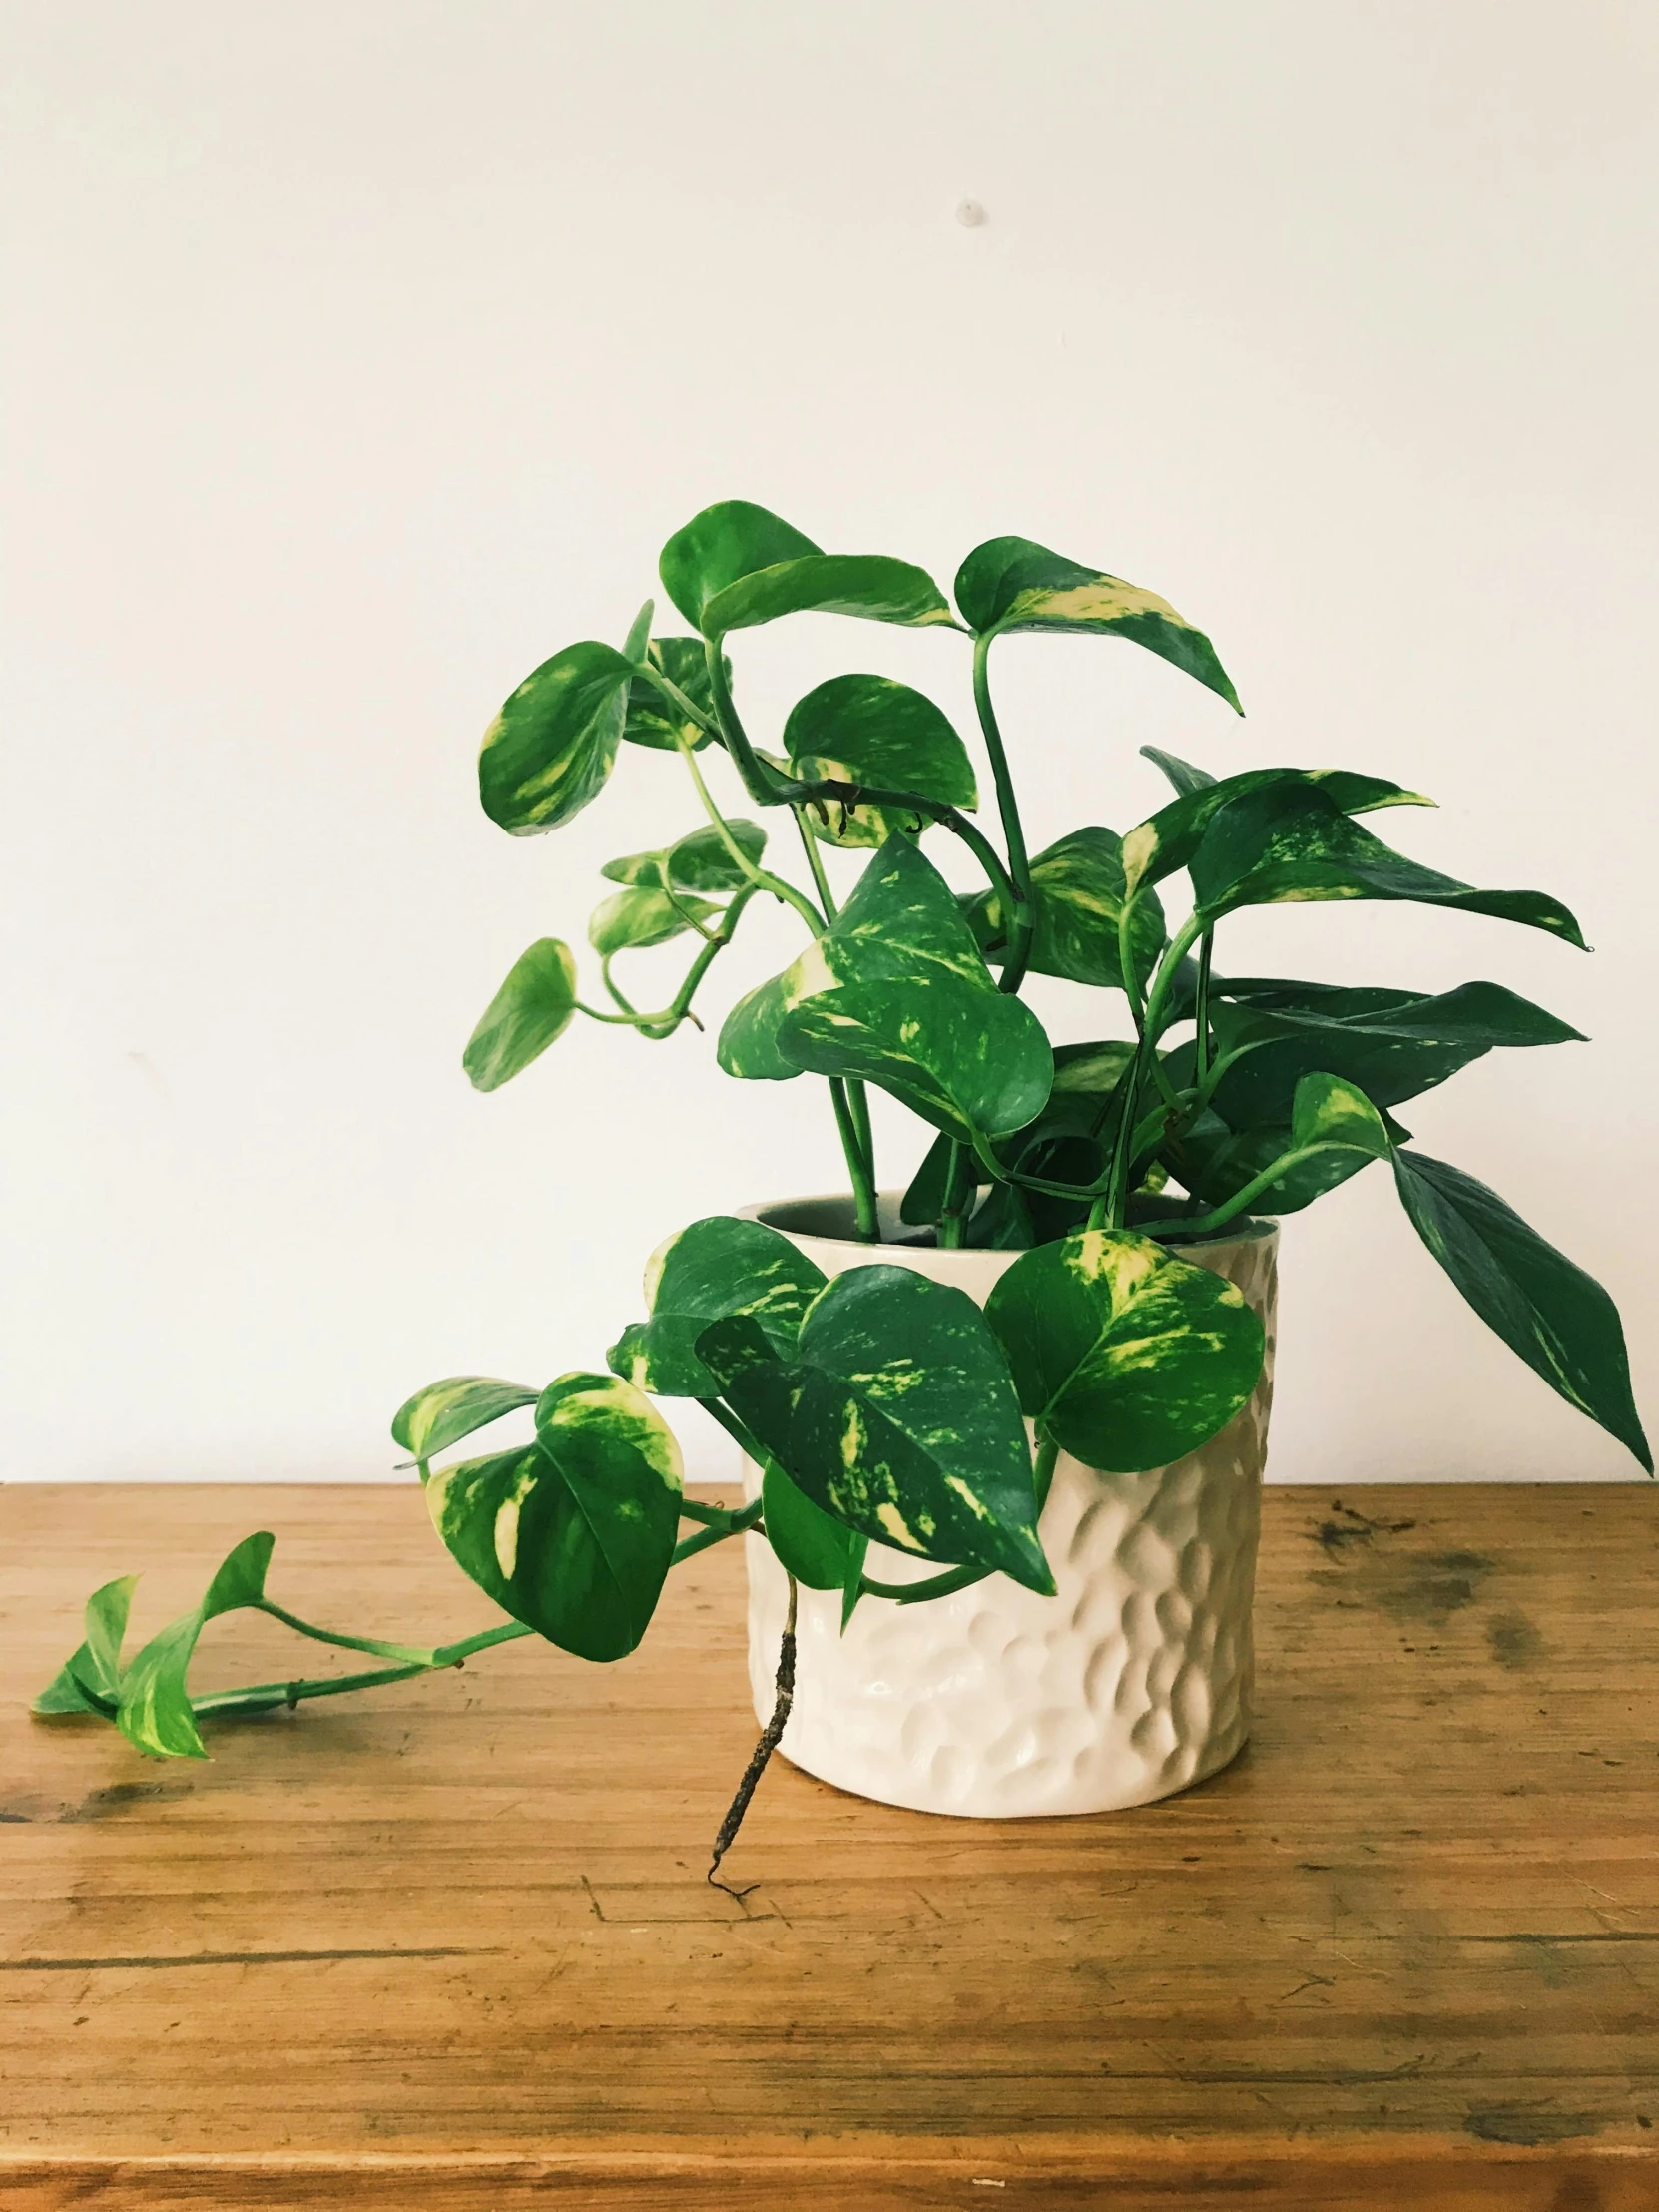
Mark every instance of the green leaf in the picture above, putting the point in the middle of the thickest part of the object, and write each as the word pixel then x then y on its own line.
pixel 1393 1051
pixel 747 1044
pixel 871 730
pixel 968 1061
pixel 923 1200
pixel 90 1680
pixel 554 742
pixel 717 1267
pixel 1128 1357
pixel 1078 891
pixel 1558 1319
pixel 1289 843
pixel 631 920
pixel 699 862
pixel 443 1412
pixel 155 1710
pixel 870 585
pixel 651 718
pixel 1168 840
pixel 897 1417
pixel 729 540
pixel 901 925
pixel 1014 584
pixel 823 1555
pixel 535 1005
pixel 573 1535
pixel 1182 774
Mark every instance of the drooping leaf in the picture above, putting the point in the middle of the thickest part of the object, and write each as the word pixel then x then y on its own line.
pixel 1014 584
pixel 630 919
pixel 1182 774
pixel 443 1412
pixel 870 585
pixel 732 539
pixel 897 1417
pixel 154 1709
pixel 717 1267
pixel 968 1061
pixel 923 1200
pixel 554 742
pixel 534 1006
pixel 871 730
pixel 822 1553
pixel 1289 843
pixel 1558 1319
pixel 1078 891
pixel 1393 1052
pixel 1127 1355
pixel 653 718
pixel 1167 840
pixel 572 1536
pixel 699 862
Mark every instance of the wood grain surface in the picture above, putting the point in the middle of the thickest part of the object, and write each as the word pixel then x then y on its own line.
pixel 448 1944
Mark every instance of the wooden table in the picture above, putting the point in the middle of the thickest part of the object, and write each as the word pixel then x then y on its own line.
pixel 449 1945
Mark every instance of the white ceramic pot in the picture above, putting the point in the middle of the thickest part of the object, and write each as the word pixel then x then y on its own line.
pixel 1132 1683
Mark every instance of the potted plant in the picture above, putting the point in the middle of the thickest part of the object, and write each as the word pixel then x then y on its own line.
pixel 1006 1427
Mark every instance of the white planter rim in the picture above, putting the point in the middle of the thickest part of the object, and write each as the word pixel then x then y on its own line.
pixel 826 1217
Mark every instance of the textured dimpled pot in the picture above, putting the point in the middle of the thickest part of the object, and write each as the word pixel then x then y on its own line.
pixel 1133 1682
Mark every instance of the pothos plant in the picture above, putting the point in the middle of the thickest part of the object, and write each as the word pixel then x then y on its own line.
pixel 883 1405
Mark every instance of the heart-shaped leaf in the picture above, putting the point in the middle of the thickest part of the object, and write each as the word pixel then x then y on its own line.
pixel 897 1417
pixel 732 539
pixel 574 1534
pixel 699 862
pixel 1128 1357
pixel 443 1412
pixel 1078 889
pixel 1167 840
pixel 1333 1131
pixel 968 1061
pixel 1558 1319
pixel 871 730
pixel 554 742
pixel 153 1708
pixel 717 1267
pixel 535 1005
pixel 1014 584
pixel 1291 843
pixel 900 924
pixel 652 718
pixel 631 920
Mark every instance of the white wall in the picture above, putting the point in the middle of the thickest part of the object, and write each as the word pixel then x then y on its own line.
pixel 362 353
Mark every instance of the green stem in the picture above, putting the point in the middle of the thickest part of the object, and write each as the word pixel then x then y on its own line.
pixel 1201 1008
pixel 1023 914
pixel 737 1429
pixel 959 1186
pixel 856 1097
pixel 264 1696
pixel 763 784
pixel 406 1653
pixel 762 879
pixel 858 1166
pixel 1201 1224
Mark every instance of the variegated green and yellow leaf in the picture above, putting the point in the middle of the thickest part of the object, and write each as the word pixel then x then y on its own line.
pixel 1078 890
pixel 534 1006
pixel 554 742
pixel 1128 1357
pixel 1015 584
pixel 631 920
pixel 574 1534
pixel 727 541
pixel 717 1267
pixel 652 718
pixel 871 730
pixel 154 1711
pixel 897 1417
pixel 443 1412
pixel 90 1679
pixel 1168 840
